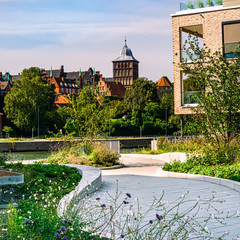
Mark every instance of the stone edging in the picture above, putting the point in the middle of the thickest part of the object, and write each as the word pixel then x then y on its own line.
pixel 220 181
pixel 113 167
pixel 91 181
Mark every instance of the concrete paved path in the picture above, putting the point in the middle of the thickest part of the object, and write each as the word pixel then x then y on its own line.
pixel 139 178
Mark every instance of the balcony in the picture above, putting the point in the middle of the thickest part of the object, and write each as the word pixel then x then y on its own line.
pixel 190 98
pixel 193 4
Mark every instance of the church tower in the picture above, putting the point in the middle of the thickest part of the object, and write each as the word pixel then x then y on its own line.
pixel 125 67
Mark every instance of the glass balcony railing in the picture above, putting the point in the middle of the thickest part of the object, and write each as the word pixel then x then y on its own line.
pixel 190 98
pixel 192 4
pixel 187 57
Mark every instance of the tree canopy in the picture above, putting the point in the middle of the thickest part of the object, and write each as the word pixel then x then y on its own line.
pixel 218 81
pixel 28 94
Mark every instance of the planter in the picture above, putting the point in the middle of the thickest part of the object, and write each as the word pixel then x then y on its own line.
pixel 9 178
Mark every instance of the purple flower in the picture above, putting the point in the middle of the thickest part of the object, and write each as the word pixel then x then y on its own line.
pixel 64 238
pixel 63 229
pixel 122 236
pixel 12 189
pixel 129 195
pixel 151 221
pixel 234 155
pixel 69 222
pixel 98 198
pixel 59 230
pixel 125 202
pixel 63 222
pixel 159 217
pixel 57 235
pixel 103 205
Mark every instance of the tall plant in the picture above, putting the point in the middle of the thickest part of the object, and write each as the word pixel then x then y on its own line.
pixel 218 80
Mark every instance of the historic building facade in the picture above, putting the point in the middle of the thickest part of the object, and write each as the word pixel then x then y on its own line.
pixel 164 85
pixel 111 89
pixel 5 87
pixel 216 26
pixel 125 67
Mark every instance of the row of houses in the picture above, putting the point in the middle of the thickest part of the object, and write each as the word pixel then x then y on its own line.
pixel 125 71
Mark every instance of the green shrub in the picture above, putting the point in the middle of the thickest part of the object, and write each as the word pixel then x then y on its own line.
pixel 190 5
pixel 220 164
pixel 103 156
pixel 200 4
pixel 209 2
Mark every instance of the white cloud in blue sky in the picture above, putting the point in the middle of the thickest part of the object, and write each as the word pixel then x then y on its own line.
pixel 79 33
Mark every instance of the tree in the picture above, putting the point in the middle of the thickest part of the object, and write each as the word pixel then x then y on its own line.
pixel 141 92
pixel 89 117
pixel 29 94
pixel 218 81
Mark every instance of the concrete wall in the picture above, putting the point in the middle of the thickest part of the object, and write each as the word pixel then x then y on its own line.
pixel 212 37
pixel 46 145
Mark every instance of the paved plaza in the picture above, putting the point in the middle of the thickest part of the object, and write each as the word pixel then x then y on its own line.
pixel 139 178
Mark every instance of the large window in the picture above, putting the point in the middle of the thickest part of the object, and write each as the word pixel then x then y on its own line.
pixel 186 33
pixel 189 90
pixel 231 37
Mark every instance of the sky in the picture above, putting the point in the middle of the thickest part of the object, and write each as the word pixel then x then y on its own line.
pixel 90 33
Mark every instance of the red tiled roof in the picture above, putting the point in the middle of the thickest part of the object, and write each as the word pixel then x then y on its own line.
pixel 164 82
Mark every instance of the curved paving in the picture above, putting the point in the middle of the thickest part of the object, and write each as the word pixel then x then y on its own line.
pixel 139 178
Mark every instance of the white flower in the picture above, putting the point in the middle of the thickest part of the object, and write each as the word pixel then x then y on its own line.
pixel 130 213
pixel 29 212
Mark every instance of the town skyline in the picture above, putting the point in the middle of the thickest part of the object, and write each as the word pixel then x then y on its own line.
pixel 86 34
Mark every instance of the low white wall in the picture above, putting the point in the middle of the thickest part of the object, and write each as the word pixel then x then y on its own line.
pixel 91 181
pixel 220 181
pixel 165 157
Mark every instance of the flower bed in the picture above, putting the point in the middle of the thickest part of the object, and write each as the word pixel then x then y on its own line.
pixel 37 198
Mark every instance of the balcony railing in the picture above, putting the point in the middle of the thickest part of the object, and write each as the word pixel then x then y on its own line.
pixel 187 57
pixel 190 98
pixel 192 4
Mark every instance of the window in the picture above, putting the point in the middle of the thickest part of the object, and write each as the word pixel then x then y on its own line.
pixel 231 37
pixel 187 55
pixel 189 90
pixel 66 90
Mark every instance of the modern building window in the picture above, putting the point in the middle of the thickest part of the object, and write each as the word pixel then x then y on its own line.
pixel 231 37
pixel 186 33
pixel 189 90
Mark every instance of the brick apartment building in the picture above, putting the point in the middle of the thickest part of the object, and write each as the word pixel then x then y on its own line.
pixel 216 26
pixel 125 67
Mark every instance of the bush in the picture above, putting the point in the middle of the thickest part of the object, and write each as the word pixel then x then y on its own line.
pixel 222 164
pixel 103 156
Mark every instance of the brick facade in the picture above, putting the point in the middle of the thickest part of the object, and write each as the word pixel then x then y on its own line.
pixel 125 67
pixel 211 21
